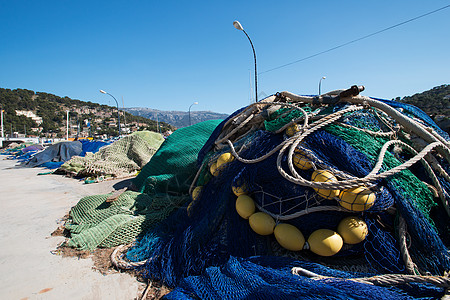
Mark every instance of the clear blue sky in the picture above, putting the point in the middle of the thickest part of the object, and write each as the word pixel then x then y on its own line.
pixel 168 54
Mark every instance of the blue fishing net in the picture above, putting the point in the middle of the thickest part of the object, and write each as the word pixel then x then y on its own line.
pixel 206 249
pixel 266 277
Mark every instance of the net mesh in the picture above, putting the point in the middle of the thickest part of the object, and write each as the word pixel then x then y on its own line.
pixel 95 222
pixel 120 159
pixel 206 248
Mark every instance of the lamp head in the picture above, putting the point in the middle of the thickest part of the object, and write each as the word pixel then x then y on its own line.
pixel 238 25
pixel 196 102
pixel 324 77
pixel 102 91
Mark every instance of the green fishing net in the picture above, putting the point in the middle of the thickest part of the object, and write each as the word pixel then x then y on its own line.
pixel 163 184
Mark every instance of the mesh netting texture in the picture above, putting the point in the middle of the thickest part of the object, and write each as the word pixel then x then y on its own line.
pixel 96 222
pixel 380 174
pixel 120 159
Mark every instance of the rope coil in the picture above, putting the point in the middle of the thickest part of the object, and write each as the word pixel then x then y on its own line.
pixel 118 261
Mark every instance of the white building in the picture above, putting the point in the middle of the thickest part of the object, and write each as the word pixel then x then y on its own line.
pixel 29 114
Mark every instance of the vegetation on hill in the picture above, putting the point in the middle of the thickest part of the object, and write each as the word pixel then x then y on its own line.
pixel 85 118
pixel 435 102
pixel 49 117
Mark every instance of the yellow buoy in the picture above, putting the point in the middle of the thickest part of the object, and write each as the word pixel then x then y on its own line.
pixel 301 161
pixel 289 237
pixel 224 158
pixel 213 169
pixel 324 176
pixel 189 209
pixel 292 129
pixel 195 196
pixel 262 223
pixel 196 193
pixel 239 190
pixel 325 242
pixel 357 199
pixel 353 230
pixel 245 206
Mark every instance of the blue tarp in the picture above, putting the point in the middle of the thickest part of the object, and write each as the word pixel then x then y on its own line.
pixel 59 152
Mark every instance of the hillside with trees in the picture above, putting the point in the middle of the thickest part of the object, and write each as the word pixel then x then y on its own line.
pixel 42 114
pixel 434 102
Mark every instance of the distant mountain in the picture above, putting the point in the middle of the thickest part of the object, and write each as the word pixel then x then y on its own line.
pixel 175 118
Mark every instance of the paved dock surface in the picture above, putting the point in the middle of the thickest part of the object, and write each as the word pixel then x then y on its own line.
pixel 31 208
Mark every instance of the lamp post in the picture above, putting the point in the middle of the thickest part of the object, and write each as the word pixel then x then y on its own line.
pixel 67 126
pixel 124 117
pixel 195 103
pixel 118 113
pixel 320 83
pixel 238 26
pixel 3 134
pixel 157 123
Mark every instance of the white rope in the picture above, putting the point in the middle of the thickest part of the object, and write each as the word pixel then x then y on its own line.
pixel 430 136
pixel 307 210
pixel 118 261
pixel 381 280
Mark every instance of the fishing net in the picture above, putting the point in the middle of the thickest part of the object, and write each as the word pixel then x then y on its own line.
pixel 122 158
pixel 99 221
pixel 326 168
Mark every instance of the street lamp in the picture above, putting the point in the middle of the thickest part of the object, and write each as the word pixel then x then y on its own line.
pixel 320 83
pixel 67 126
pixel 238 26
pixel 3 134
pixel 195 103
pixel 157 123
pixel 118 113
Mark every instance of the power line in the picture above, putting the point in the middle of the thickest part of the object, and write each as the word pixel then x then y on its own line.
pixel 356 40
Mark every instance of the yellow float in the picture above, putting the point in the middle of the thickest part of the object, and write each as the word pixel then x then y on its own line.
pixel 301 161
pixel 289 237
pixel 245 206
pixel 239 190
pixel 324 176
pixel 224 158
pixel 325 242
pixel 195 196
pixel 262 223
pixel 213 169
pixel 292 129
pixel 357 199
pixel 353 230
pixel 196 193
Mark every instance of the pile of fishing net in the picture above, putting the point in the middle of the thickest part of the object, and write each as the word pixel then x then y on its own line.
pixel 334 197
pixel 23 152
pixel 13 149
pixel 163 185
pixel 123 158
pixel 55 155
